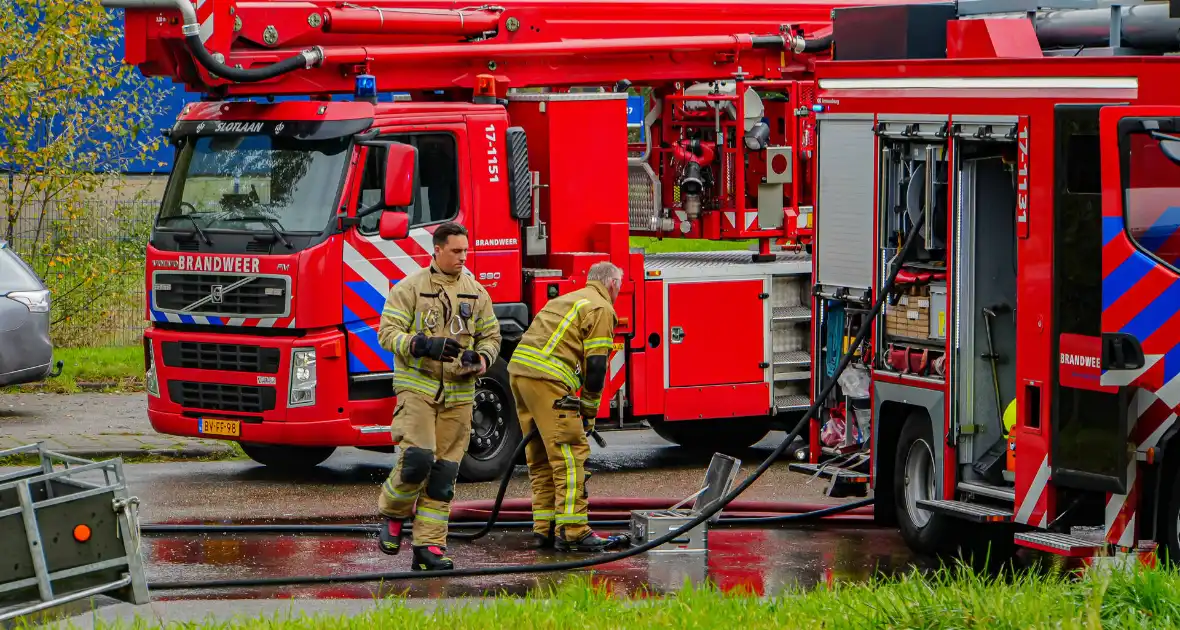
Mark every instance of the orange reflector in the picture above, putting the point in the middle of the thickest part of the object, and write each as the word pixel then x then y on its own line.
pixel 82 533
pixel 1151 455
pixel 485 85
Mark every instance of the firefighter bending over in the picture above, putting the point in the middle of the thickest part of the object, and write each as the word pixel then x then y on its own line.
pixel 439 324
pixel 569 338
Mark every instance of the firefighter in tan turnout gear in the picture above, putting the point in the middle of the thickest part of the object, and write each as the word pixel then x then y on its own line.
pixel 565 349
pixel 439 324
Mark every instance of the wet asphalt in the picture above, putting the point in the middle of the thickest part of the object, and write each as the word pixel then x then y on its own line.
pixel 344 490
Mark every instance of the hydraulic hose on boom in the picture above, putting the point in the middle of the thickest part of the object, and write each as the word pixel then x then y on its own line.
pixel 883 294
pixel 192 39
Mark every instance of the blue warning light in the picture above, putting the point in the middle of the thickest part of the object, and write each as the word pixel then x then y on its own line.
pixel 366 86
pixel 817 108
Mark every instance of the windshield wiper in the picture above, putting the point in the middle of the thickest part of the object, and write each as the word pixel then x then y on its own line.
pixel 200 232
pixel 270 223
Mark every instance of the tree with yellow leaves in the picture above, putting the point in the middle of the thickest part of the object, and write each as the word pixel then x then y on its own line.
pixel 72 117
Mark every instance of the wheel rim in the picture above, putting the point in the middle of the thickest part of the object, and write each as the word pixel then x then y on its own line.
pixel 919 481
pixel 488 427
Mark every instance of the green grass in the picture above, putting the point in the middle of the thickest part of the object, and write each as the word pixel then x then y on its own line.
pixel 952 598
pixel 118 369
pixel 233 452
pixel 657 246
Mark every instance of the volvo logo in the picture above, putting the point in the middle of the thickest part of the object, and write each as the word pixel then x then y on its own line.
pixel 217 294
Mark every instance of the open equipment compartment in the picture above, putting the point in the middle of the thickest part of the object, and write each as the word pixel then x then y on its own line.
pixel 67 538
pixel 913 176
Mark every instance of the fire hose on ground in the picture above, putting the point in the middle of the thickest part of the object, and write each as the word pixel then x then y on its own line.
pixel 597 559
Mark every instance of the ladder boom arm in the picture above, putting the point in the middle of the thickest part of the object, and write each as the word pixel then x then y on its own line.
pixel 264 47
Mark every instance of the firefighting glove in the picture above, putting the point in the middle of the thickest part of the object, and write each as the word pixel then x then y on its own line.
pixel 589 411
pixel 442 349
pixel 470 362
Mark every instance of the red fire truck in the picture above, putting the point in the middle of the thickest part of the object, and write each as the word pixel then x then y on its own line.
pixel 1023 376
pixel 277 237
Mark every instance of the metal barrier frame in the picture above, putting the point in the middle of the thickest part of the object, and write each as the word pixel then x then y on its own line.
pixel 123 505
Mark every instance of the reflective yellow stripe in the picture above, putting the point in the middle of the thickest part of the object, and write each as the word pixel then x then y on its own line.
pixel 598 342
pixel 486 324
pixel 428 514
pixel 398 314
pixel 408 377
pixel 572 519
pixel 527 355
pixel 543 515
pixel 394 494
pixel 571 481
pixel 555 338
pixel 401 343
pixel 540 367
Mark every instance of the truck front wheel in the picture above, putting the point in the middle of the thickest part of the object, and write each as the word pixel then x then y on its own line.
pixel 288 457
pixel 495 431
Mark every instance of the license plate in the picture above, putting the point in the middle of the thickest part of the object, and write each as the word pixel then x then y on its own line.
pixel 217 426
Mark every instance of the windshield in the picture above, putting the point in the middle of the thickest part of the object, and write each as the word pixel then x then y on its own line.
pixel 254 183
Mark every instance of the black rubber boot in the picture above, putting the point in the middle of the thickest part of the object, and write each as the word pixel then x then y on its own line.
pixel 590 543
pixel 431 558
pixel 543 541
pixel 391 535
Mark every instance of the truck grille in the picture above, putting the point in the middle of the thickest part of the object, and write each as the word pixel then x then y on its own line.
pixel 218 397
pixel 223 294
pixel 220 356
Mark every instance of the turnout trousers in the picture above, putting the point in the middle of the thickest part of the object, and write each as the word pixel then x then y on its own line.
pixel 433 440
pixel 556 459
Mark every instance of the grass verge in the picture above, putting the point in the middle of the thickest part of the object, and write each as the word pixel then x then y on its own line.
pixel 92 369
pixel 952 598
pixel 232 452
pixel 660 246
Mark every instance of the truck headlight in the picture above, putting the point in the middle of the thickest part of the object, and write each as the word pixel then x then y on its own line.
pixel 151 383
pixel 303 378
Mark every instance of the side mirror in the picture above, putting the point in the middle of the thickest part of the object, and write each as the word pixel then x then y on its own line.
pixel 394 226
pixel 400 164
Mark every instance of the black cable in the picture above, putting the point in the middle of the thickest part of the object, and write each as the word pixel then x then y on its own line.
pixel 301 60
pixel 731 521
pixel 499 494
pixel 885 290
pixel 817 44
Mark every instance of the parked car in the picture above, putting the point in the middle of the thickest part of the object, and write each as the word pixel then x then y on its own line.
pixel 26 353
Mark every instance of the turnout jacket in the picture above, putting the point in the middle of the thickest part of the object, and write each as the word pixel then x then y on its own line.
pixel 570 329
pixel 438 305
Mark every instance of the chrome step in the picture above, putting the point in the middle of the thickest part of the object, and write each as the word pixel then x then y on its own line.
pixel 988 490
pixel 970 511
pixel 1060 544
pixel 790 314
pixel 792 359
pixel 840 475
pixel 795 402
pixel 374 428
